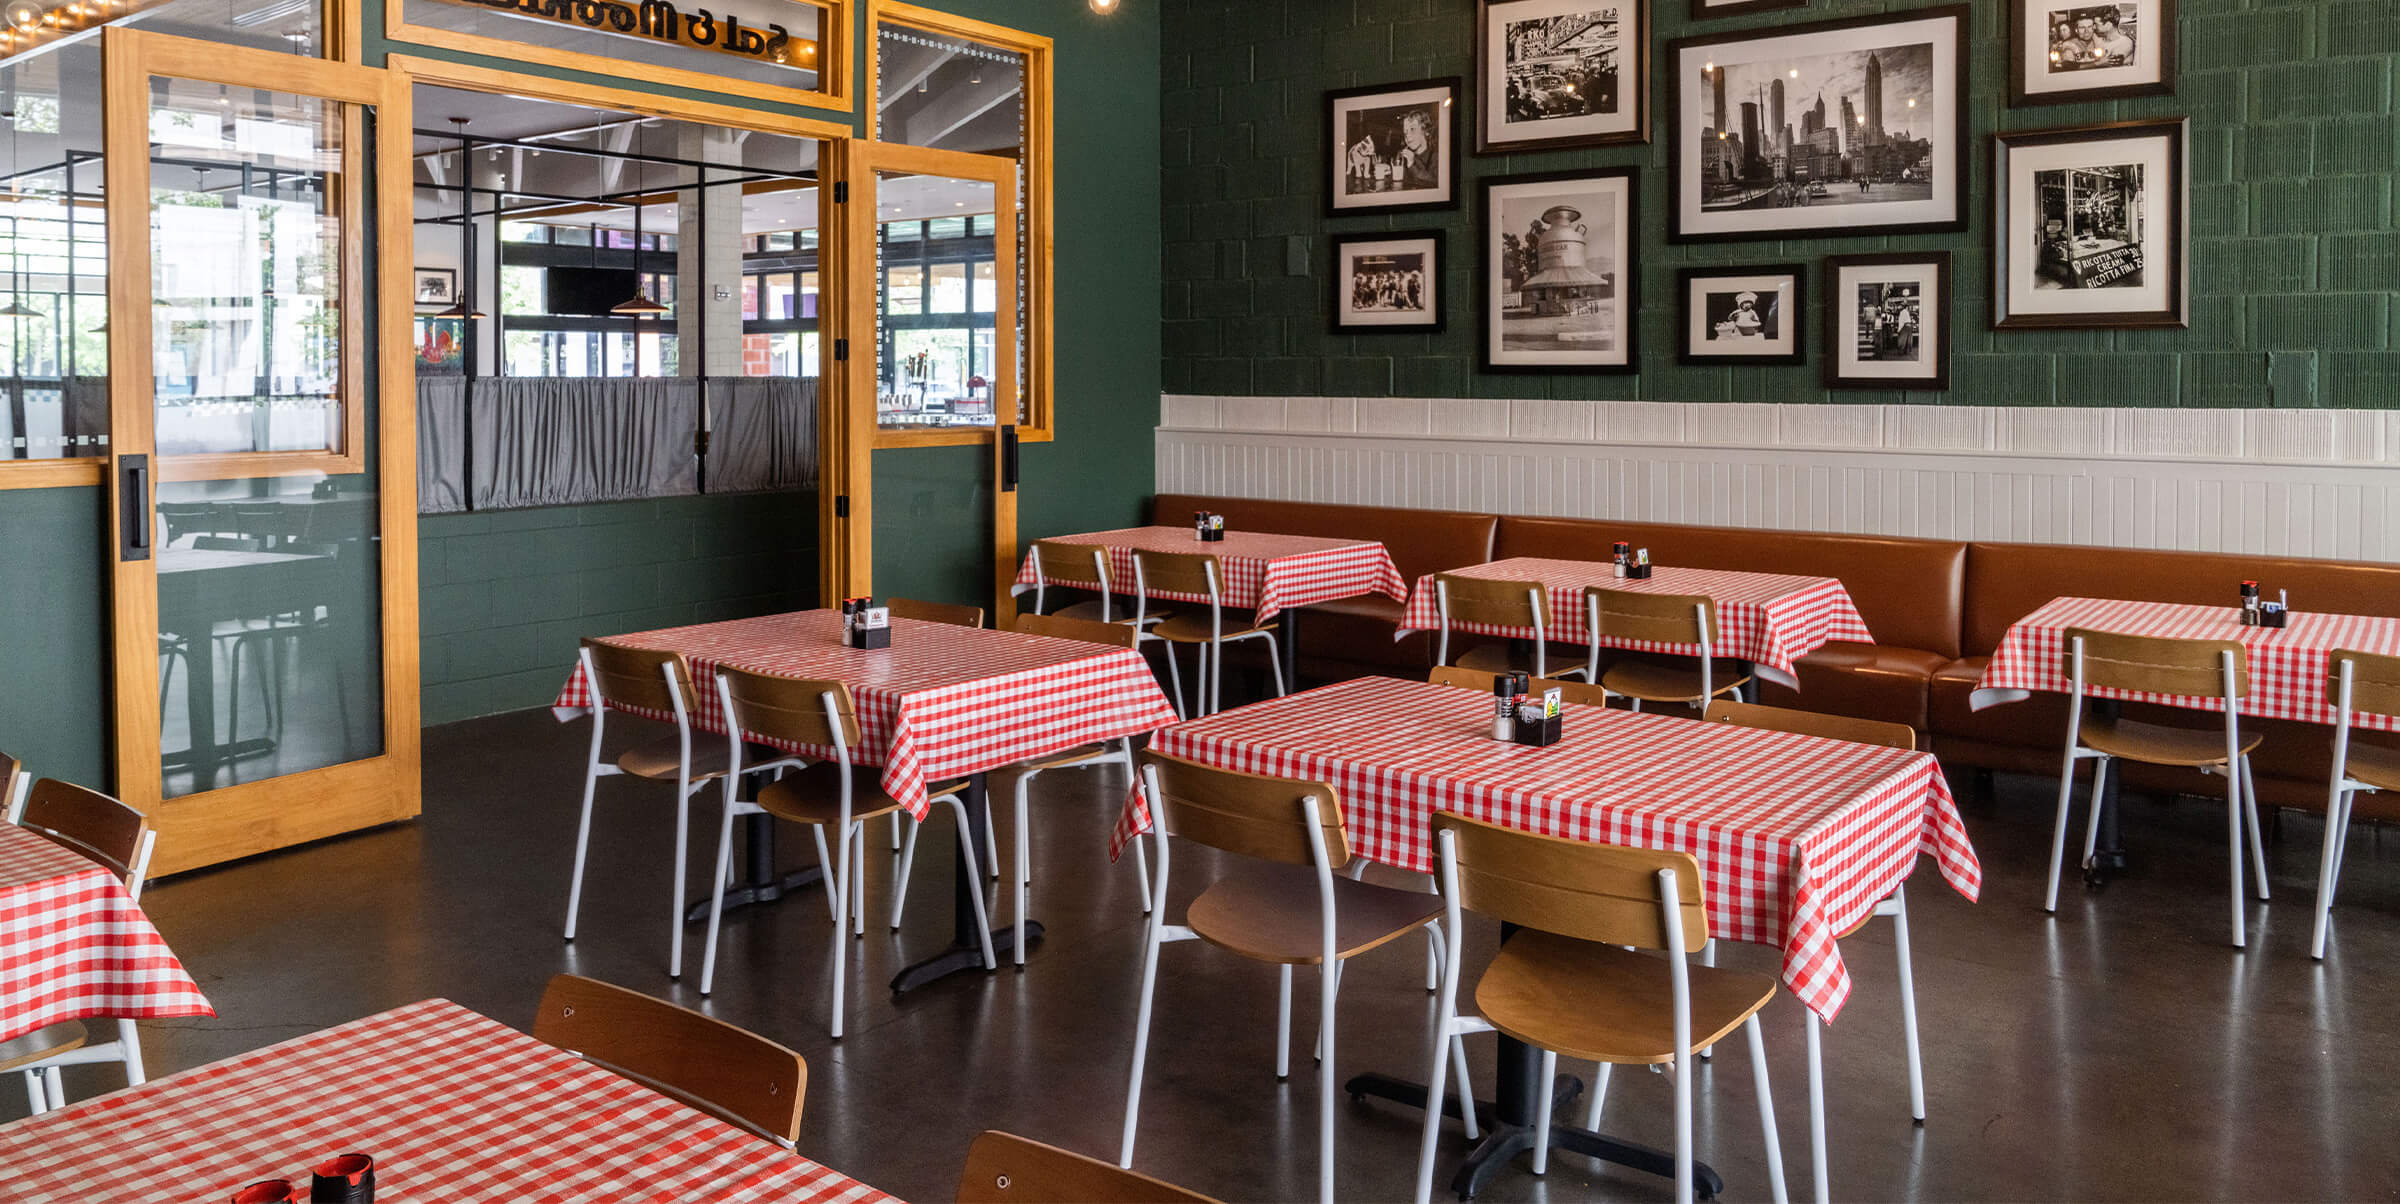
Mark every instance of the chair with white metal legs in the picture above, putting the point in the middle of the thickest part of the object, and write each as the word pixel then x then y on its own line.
pixel 2355 682
pixel 1294 911
pixel 956 614
pixel 1571 978
pixel 1681 620
pixel 730 1073
pixel 1517 605
pixel 1084 567
pixel 1199 575
pixel 2216 671
pixel 1003 1168
pixel 649 685
pixel 1894 905
pixel 120 839
pixel 793 712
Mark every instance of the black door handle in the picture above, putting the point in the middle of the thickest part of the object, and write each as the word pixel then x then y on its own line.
pixel 1008 459
pixel 133 508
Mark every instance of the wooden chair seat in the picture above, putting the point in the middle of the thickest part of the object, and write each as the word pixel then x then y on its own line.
pixel 1191 627
pixel 2375 765
pixel 814 795
pixel 660 758
pixel 2154 744
pixel 1605 1004
pixel 1654 682
pixel 42 1043
pixel 1269 914
pixel 1090 612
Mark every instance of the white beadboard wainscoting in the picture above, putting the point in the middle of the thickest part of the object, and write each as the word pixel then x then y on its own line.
pixel 2275 482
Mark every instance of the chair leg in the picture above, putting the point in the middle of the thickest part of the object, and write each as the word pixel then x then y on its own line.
pixel 1541 1113
pixel 1025 858
pixel 1683 1129
pixel 838 886
pixel 991 847
pixel 2233 850
pixel 1141 1040
pixel 1708 957
pixel 1275 666
pixel 1816 1108
pixel 1601 1073
pixel 858 878
pixel 967 865
pixel 908 862
pixel 2058 829
pixel 130 1043
pixel 1141 863
pixel 583 842
pixel 1329 982
pixel 1466 1088
pixel 1443 1046
pixel 2091 823
pixel 37 1097
pixel 2258 846
pixel 57 1084
pixel 1766 1110
pixel 1174 680
pixel 895 825
pixel 1908 1006
pixel 1283 1022
pixel 833 898
pixel 2329 866
pixel 716 901
pixel 683 831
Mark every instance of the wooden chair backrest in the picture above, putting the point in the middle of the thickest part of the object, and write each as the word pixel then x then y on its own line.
pixel 2157 665
pixel 636 677
pixel 1003 1168
pixel 789 710
pixel 957 614
pixel 1079 564
pixel 1245 813
pixel 1581 693
pixel 2374 682
pixel 1591 892
pixel 1493 602
pixel 1812 723
pixel 1658 618
pixel 1090 631
pixel 729 1072
pixel 1179 572
pixel 89 822
pixel 1465 679
pixel 12 778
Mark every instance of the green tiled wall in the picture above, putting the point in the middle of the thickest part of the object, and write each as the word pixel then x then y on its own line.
pixel 2294 256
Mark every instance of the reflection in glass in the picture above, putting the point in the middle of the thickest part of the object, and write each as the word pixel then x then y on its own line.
pixel 53 258
pixel 934 319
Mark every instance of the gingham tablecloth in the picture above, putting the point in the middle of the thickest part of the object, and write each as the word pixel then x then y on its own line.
pixel 1797 837
pixel 74 945
pixel 1768 619
pixel 942 702
pixel 452 1106
pixel 1264 572
pixel 2287 665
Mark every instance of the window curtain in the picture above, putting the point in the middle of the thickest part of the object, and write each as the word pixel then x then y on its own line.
pixel 762 433
pixel 558 441
pixel 441 444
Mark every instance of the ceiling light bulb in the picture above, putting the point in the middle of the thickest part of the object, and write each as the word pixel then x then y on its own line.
pixel 1104 7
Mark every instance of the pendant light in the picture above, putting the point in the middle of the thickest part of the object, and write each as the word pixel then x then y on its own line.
pixel 462 306
pixel 640 304
pixel 16 301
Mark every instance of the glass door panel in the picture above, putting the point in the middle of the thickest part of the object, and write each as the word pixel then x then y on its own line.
pixel 929 376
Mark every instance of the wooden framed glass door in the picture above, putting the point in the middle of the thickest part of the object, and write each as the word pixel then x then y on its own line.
pixel 263 496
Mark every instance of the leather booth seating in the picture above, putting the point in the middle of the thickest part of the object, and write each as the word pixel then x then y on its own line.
pixel 1938 608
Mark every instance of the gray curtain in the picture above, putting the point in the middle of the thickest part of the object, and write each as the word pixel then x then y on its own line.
pixel 762 433
pixel 85 401
pixel 555 441
pixel 441 444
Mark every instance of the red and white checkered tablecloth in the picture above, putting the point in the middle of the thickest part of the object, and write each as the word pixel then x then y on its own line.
pixel 74 945
pixel 942 702
pixel 2287 665
pixel 1262 571
pixel 1797 837
pixel 451 1105
pixel 1768 619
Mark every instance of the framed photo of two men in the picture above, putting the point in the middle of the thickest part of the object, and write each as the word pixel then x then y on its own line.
pixel 2070 51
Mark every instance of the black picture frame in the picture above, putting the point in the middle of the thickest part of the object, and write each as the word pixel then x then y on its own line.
pixel 1625 290
pixel 1434 243
pixel 2173 134
pixel 449 290
pixel 1690 221
pixel 2020 48
pixel 1793 313
pixel 1338 176
pixel 1637 89
pixel 1702 10
pixel 1838 313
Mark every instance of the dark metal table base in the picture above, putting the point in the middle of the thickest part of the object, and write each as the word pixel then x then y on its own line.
pixel 966 945
pixel 2108 852
pixel 1504 1140
pixel 762 885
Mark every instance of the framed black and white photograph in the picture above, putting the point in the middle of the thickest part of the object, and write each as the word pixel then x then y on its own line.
pixel 1887 321
pixel 1855 127
pixel 2093 227
pixel 1703 9
pixel 437 286
pixel 1559 73
pixel 2062 52
pixel 1388 282
pixel 1393 147
pixel 1743 315
pixel 1559 285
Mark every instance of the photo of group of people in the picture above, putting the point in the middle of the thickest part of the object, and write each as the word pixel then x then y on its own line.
pixel 2091 37
pixel 1388 282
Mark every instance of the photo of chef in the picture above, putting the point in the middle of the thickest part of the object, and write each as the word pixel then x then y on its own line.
pixel 1742 315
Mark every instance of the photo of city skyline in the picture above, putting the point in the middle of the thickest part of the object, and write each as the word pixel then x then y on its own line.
pixel 1851 128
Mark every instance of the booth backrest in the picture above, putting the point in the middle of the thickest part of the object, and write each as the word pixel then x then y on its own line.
pixel 1420 541
pixel 1911 592
pixel 2007 581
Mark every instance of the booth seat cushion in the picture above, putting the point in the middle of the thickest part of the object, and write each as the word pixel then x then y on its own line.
pixel 1864 681
pixel 1420 541
pixel 1909 591
pixel 2007 581
pixel 1357 633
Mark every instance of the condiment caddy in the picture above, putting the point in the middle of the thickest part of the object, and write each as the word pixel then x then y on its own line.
pixel 1632 563
pixel 1520 717
pixel 1207 527
pixel 2256 613
pixel 866 625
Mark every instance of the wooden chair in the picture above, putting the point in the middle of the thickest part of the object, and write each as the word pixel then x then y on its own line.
pixel 2354 682
pixel 1569 978
pixel 2217 670
pixel 1003 1168
pixel 660 684
pixel 1293 911
pixel 1894 906
pixel 1081 566
pixel 1678 619
pixel 1202 575
pixel 1493 603
pixel 789 711
pixel 120 839
pixel 728 1072
pixel 956 614
pixel 1479 680
pixel 14 782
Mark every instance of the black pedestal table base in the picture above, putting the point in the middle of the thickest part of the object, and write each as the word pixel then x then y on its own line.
pixel 966 946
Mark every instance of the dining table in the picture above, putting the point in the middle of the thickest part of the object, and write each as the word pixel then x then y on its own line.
pixel 451 1104
pixel 1798 838
pixel 943 702
pixel 75 945
pixel 1767 621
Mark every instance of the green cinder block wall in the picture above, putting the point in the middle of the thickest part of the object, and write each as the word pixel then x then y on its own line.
pixel 2294 258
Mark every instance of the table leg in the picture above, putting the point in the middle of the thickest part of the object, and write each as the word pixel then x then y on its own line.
pixel 1287 647
pixel 966 945
pixel 760 884
pixel 2108 852
pixel 205 756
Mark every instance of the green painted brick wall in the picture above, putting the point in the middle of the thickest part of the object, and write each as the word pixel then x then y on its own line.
pixel 2294 258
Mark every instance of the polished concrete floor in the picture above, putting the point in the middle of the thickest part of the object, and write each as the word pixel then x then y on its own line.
pixel 2120 1051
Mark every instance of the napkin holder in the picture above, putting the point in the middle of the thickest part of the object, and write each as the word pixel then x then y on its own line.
pixel 873 629
pixel 2273 615
pixel 1637 572
pixel 1542 728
